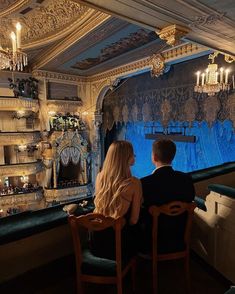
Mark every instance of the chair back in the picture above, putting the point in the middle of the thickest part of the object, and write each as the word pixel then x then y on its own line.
pixel 172 209
pixel 95 222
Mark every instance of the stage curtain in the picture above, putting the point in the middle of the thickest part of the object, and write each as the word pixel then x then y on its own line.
pixel 215 144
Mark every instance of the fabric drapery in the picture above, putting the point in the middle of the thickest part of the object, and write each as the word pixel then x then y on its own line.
pixel 69 154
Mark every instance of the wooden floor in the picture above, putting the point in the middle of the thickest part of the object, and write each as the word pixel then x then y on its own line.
pixel 59 277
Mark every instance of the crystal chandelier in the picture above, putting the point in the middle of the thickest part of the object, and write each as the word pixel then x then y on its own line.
pixel 212 81
pixel 14 59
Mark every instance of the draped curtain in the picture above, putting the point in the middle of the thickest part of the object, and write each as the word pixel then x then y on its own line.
pixel 70 154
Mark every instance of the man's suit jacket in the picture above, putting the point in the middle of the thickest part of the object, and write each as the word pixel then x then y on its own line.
pixel 166 185
pixel 163 186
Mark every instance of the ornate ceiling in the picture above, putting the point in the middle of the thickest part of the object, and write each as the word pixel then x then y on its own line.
pixel 70 36
pixel 210 22
pixel 43 21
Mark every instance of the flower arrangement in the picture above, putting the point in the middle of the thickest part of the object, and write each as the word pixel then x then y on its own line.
pixel 24 87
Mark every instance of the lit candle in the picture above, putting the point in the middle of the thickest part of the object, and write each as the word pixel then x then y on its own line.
pixel 226 76
pixel 203 78
pixel 216 77
pixel 207 75
pixel 198 77
pixel 18 34
pixel 13 38
pixel 221 75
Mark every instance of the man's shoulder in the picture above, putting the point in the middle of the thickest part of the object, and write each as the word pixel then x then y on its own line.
pixel 147 178
pixel 182 174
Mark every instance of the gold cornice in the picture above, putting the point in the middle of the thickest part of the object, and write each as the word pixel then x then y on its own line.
pixel 169 55
pixel 107 78
pixel 96 18
pixel 58 77
pixel 13 7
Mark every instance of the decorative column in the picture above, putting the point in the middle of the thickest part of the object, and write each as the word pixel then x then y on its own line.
pixel 85 171
pixel 96 146
pixel 54 174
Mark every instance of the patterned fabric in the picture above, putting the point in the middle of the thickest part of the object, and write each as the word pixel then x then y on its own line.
pixel 165 105
pixel 170 97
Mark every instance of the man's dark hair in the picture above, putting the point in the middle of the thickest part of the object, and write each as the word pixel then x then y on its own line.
pixel 164 150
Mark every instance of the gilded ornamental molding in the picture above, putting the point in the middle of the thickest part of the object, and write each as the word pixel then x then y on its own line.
pixel 10 6
pixel 21 169
pixel 95 19
pixel 14 104
pixel 42 22
pixel 172 34
pixel 66 194
pixel 21 199
pixel 55 76
pixel 169 55
pixel 64 106
pixel 158 65
pixel 52 19
pixel 19 138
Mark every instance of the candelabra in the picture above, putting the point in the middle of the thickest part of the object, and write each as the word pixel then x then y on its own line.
pixel 212 81
pixel 14 59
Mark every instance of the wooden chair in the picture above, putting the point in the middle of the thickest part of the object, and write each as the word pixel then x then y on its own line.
pixel 172 209
pixel 89 267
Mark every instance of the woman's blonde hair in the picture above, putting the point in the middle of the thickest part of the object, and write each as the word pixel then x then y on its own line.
pixel 116 169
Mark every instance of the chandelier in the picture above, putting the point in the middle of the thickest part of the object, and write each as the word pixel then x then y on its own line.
pixel 212 81
pixel 14 59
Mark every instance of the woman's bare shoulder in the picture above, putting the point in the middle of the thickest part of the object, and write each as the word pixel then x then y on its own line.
pixel 133 181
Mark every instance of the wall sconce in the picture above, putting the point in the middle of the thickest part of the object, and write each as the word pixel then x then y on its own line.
pixel 24 179
pixel 22 148
pixel 51 113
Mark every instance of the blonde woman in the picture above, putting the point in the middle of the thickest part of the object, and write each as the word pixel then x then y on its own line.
pixel 117 192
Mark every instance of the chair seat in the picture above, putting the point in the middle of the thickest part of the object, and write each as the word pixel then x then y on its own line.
pixel 170 247
pixel 98 266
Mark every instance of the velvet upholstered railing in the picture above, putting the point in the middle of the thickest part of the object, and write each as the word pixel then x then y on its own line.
pixel 29 223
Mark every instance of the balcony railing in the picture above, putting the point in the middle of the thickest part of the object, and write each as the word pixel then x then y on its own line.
pixel 26 169
pixel 19 138
pixel 66 194
pixel 14 104
pixel 21 199
pixel 64 106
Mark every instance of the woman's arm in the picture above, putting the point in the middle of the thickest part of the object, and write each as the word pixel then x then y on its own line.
pixel 136 202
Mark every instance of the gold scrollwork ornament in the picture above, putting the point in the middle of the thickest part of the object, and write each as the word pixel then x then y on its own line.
pixel 158 65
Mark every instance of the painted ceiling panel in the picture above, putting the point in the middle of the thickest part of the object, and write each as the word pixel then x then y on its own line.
pixel 88 57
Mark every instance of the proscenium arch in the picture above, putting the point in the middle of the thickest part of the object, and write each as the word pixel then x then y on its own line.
pixel 100 99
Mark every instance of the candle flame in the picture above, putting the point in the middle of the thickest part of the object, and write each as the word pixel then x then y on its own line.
pixel 13 35
pixel 18 26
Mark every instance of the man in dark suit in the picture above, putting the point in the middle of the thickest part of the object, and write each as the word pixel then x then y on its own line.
pixel 165 185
